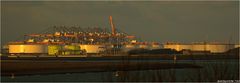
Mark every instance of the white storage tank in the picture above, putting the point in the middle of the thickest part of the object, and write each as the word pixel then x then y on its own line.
pixel 178 47
pixel 155 46
pixel 236 45
pixel 128 47
pixel 185 46
pixel 27 48
pixel 93 48
pixel 212 47
pixel 172 46
pixel 143 46
pixel 219 48
pixel 199 47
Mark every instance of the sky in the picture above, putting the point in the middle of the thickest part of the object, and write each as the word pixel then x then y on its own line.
pixel 160 21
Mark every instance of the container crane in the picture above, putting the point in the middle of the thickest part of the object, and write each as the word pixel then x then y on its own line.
pixel 112 26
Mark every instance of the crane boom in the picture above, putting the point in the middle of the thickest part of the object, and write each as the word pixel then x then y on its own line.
pixel 112 26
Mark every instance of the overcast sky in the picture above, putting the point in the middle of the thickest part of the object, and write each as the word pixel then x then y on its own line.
pixel 160 21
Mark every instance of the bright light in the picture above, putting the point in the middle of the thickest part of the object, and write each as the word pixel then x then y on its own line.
pixel 134 41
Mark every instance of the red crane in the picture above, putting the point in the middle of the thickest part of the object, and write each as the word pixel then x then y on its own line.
pixel 112 26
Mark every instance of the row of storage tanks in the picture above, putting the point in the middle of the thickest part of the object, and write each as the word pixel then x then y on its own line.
pixel 90 48
pixel 212 47
pixel 54 49
pixel 70 49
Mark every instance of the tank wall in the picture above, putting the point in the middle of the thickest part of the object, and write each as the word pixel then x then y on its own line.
pixel 178 47
pixel 200 47
pixel 175 46
pixel 93 48
pixel 129 47
pixel 219 48
pixel 214 48
pixel 28 49
pixel 143 46
pixel 236 46
pixel 155 47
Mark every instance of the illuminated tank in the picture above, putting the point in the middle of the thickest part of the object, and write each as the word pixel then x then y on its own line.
pixel 201 46
pixel 28 48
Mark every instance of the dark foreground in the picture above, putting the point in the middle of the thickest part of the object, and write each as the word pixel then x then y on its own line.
pixel 24 67
pixel 125 57
pixel 21 65
pixel 135 68
pixel 146 71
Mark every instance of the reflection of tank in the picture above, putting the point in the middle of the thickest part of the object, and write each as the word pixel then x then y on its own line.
pixel 93 48
pixel 25 48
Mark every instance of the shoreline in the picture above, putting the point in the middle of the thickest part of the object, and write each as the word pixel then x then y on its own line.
pixel 125 57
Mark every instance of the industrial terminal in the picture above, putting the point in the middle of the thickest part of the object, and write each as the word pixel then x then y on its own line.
pixel 62 49
pixel 120 41
pixel 96 41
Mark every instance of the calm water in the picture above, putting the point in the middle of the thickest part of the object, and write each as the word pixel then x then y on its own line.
pixel 212 70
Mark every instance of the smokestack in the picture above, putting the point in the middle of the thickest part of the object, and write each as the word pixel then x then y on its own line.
pixel 112 26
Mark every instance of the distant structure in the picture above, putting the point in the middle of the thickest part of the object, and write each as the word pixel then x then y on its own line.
pixel 201 46
pixel 64 40
pixel 74 40
pixel 237 46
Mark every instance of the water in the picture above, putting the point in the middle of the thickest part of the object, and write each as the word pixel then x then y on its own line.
pixel 213 70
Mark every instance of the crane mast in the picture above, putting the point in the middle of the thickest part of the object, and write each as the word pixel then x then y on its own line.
pixel 112 26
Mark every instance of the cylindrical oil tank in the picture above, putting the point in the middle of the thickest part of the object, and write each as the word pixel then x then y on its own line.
pixel 143 46
pixel 236 45
pixel 155 46
pixel 178 47
pixel 199 47
pixel 128 47
pixel 25 48
pixel 93 48
pixel 53 49
pixel 219 48
pixel 172 46
pixel 185 47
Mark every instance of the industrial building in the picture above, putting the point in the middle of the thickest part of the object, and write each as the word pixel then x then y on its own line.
pixel 62 40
